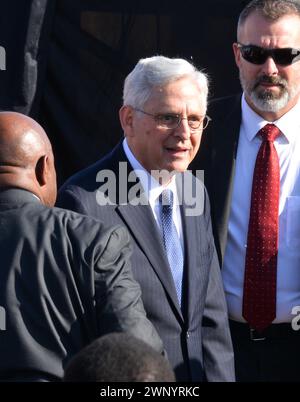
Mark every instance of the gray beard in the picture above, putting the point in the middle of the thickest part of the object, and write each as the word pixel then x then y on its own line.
pixel 265 100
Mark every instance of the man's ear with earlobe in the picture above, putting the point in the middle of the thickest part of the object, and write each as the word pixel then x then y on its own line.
pixel 126 119
pixel 41 170
pixel 237 54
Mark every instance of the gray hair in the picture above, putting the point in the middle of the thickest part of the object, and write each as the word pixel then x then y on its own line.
pixel 158 71
pixel 270 9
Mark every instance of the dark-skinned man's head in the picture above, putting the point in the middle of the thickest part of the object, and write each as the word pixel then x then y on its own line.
pixel 26 157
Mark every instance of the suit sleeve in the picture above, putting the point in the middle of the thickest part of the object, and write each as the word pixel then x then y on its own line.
pixel 118 295
pixel 217 345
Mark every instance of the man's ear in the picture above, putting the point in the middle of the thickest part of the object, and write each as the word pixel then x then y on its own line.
pixel 126 119
pixel 41 170
pixel 237 54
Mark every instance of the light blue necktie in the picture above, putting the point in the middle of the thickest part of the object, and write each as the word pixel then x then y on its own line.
pixel 171 240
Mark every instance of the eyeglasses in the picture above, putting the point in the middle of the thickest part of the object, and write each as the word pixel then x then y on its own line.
pixel 259 55
pixel 171 121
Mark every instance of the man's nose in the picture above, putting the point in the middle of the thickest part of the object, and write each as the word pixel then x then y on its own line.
pixel 183 130
pixel 270 67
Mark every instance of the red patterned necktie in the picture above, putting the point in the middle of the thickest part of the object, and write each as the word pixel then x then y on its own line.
pixel 259 301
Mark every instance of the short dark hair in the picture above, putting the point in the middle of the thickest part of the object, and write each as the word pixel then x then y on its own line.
pixel 270 9
pixel 118 357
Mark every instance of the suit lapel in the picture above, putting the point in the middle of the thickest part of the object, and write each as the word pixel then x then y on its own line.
pixel 144 230
pixel 188 186
pixel 189 224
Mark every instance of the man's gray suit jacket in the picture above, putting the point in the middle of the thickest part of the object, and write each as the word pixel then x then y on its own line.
pixel 64 281
pixel 196 337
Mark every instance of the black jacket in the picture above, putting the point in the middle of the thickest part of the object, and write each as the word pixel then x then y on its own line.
pixel 64 281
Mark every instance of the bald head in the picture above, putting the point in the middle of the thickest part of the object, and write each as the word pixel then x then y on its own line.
pixel 26 158
pixel 22 140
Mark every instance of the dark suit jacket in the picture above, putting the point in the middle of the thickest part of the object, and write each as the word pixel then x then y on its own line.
pixel 217 157
pixel 64 280
pixel 197 340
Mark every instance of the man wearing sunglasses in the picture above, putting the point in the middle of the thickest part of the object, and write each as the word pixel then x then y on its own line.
pixel 251 158
pixel 174 257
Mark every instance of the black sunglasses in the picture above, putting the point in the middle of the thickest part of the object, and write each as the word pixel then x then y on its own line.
pixel 259 55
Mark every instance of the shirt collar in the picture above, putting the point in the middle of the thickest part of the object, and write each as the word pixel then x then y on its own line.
pixel 288 124
pixel 151 186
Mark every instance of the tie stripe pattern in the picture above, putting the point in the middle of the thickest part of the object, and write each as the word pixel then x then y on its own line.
pixel 171 240
pixel 259 299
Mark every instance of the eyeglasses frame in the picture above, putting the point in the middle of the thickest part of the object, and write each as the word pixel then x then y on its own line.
pixel 180 118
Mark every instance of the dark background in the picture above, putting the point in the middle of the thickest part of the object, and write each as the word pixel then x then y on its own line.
pixel 66 61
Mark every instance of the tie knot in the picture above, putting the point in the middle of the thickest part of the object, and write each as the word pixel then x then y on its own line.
pixel 269 132
pixel 166 198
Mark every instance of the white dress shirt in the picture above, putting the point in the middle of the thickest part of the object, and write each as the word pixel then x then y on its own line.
pixel 153 190
pixel 288 264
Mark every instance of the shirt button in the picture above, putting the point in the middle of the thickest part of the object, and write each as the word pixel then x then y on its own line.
pixel 187 334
